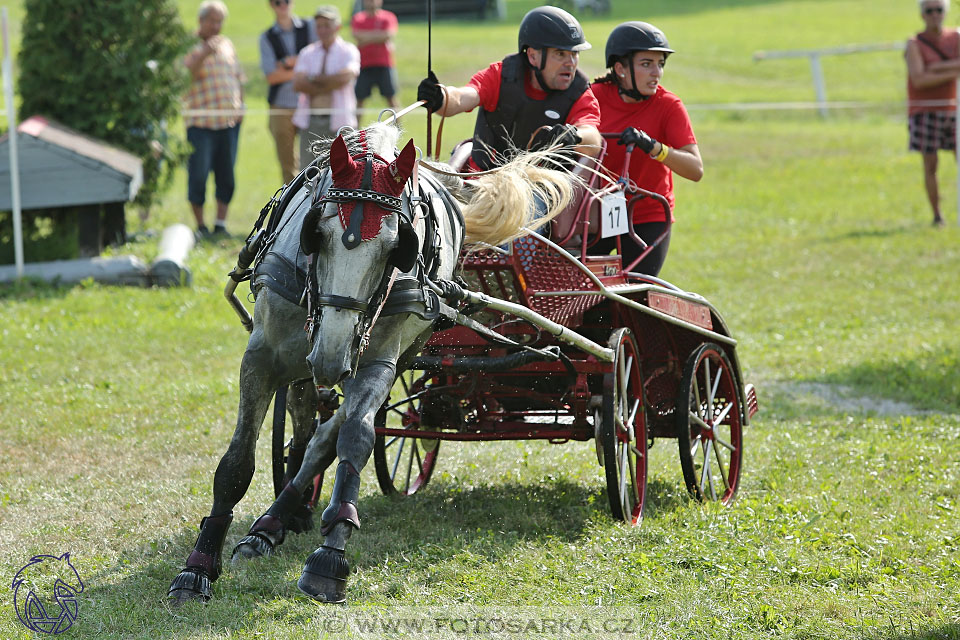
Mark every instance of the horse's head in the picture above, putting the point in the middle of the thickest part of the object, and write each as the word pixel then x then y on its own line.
pixel 356 233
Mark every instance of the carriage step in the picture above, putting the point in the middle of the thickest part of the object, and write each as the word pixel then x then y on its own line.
pixel 752 404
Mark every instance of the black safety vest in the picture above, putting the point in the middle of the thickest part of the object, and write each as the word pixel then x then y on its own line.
pixel 517 115
pixel 301 38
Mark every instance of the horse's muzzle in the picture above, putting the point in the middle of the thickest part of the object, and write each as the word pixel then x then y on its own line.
pixel 330 366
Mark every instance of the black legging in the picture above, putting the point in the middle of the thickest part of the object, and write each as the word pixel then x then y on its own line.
pixel 649 231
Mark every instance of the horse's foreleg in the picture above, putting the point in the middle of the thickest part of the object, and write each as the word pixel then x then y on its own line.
pixel 290 512
pixel 325 572
pixel 230 483
pixel 269 530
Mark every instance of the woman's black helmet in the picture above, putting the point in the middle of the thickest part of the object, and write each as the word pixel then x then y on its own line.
pixel 551 27
pixel 635 36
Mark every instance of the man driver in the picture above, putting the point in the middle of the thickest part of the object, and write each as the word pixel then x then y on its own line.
pixel 531 99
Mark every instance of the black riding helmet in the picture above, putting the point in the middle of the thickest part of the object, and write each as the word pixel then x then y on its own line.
pixel 629 37
pixel 550 27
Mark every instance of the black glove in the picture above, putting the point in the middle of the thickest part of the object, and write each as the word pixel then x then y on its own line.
pixel 430 91
pixel 564 135
pixel 639 138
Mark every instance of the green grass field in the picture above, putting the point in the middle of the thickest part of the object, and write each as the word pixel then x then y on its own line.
pixel 811 236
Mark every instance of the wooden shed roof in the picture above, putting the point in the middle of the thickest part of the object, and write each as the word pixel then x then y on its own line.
pixel 63 167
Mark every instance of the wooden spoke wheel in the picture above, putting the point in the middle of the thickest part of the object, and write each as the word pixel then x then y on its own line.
pixel 404 464
pixel 624 430
pixel 710 425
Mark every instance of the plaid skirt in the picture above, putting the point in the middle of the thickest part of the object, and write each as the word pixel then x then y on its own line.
pixel 932 130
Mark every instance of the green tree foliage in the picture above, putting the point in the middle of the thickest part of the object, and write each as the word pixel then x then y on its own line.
pixel 111 71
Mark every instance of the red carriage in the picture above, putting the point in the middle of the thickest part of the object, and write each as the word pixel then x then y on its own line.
pixel 563 345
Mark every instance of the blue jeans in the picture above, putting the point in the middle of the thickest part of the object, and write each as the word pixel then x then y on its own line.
pixel 213 150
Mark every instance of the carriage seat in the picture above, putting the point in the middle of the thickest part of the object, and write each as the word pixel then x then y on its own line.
pixel 460 155
pixel 582 204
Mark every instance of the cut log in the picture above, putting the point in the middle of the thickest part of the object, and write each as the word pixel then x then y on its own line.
pixel 117 270
pixel 169 269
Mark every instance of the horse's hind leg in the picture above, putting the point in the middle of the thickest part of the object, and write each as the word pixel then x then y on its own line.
pixel 230 483
pixel 303 408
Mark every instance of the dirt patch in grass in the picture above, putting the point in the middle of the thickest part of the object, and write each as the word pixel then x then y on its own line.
pixel 848 399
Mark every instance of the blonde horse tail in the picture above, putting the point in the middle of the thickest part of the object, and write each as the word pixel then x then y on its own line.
pixel 503 202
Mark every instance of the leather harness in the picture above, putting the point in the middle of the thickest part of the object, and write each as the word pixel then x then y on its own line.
pixel 409 294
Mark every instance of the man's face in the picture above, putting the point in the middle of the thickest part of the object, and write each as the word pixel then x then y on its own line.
pixel 932 12
pixel 282 7
pixel 560 67
pixel 211 24
pixel 326 30
pixel 372 5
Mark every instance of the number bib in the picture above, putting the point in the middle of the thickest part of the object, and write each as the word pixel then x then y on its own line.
pixel 613 215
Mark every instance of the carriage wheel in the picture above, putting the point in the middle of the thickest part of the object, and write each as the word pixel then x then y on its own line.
pixel 709 424
pixel 404 464
pixel 624 431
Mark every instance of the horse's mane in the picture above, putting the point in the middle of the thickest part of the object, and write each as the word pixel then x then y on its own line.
pixel 496 206
pixel 381 136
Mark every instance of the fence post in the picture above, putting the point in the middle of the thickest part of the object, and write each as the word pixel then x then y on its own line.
pixel 819 85
pixel 14 158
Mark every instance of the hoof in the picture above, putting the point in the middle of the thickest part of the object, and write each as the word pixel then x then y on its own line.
pixel 266 534
pixel 255 545
pixel 191 585
pixel 324 576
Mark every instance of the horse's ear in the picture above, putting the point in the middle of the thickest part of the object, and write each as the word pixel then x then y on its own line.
pixel 401 168
pixel 341 163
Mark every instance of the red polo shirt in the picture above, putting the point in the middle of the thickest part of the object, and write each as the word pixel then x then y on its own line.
pixel 664 118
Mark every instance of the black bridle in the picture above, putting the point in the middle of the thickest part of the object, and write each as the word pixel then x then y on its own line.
pixel 351 239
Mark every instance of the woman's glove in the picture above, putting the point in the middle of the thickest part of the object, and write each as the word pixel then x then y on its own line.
pixel 638 138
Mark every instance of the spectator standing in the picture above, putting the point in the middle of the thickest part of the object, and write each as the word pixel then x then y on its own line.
pixel 374 29
pixel 653 119
pixel 216 93
pixel 279 47
pixel 933 64
pixel 324 76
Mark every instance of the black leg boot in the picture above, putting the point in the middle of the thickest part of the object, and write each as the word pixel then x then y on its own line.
pixel 203 565
pixel 324 576
pixel 269 530
pixel 301 520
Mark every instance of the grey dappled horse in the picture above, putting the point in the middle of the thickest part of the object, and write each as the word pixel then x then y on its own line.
pixel 349 228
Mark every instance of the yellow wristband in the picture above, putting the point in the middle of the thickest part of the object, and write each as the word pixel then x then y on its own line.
pixel 664 151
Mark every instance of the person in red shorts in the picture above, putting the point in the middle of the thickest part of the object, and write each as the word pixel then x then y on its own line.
pixel 933 63
pixel 531 99
pixel 652 119
pixel 374 29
